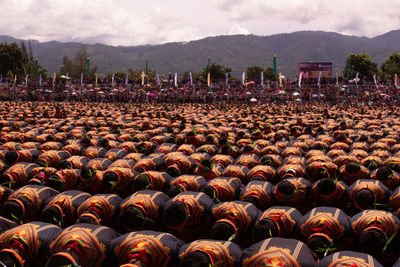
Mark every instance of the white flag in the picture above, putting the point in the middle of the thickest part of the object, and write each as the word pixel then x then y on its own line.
pixel 300 77
pixel 356 80
pixel 158 80
pixel 176 79
pixel 26 80
pixel 319 79
pixel 191 79
pixel 376 84
pixel 112 80
pixel 243 77
pixel 262 78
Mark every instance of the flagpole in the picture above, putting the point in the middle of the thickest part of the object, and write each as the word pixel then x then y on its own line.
pixel 13 88
pixel 357 87
pixel 337 85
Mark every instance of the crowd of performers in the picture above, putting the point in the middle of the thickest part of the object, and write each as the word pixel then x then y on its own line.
pixel 185 92
pixel 103 184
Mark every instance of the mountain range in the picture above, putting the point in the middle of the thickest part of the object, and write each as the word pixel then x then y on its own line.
pixel 235 51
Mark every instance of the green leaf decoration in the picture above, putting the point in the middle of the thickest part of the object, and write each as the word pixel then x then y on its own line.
pixel 232 237
pixel 388 242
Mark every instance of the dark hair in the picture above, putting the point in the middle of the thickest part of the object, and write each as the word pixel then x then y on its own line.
pixel 372 241
pixel 64 164
pixel 87 172
pixel 195 259
pixel 384 172
pixel 140 182
pixel 60 260
pixel 320 173
pixel 209 191
pixel 175 214
pixel 11 157
pixel 352 167
pixel 371 164
pixel 88 219
pixel 174 190
pixel 364 198
pixel 103 142
pixel 108 179
pixel 263 229
pixel 55 182
pixel 13 208
pixel 326 186
pixel 286 188
pixel 51 214
pixel 7 260
pixel 131 218
pixel 222 231
pixel 252 200
pixel 174 171
pixel 318 242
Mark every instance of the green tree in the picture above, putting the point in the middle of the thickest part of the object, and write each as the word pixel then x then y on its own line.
pixel 79 66
pixel 30 51
pixel 254 72
pixel 76 67
pixel 135 74
pixel 29 63
pixel 217 72
pixel 117 75
pixel 186 75
pixel 391 66
pixel 363 65
pixel 30 69
pixel 151 74
pixel 12 59
pixel 269 74
pixel 67 66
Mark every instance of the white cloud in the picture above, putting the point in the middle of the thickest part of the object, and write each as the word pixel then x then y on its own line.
pixel 237 29
pixel 126 22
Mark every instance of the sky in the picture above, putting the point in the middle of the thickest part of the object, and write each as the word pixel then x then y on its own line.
pixel 133 22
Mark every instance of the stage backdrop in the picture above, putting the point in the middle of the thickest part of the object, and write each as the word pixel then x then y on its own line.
pixel 311 70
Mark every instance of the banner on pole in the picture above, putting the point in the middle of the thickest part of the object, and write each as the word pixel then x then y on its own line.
pixel 337 80
pixel 176 79
pixel 356 79
pixel 319 79
pixel 300 77
pixel 262 78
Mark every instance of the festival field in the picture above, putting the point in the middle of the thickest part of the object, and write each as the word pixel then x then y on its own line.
pixel 118 184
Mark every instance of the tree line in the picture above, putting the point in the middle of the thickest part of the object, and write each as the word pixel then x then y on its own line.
pixel 19 60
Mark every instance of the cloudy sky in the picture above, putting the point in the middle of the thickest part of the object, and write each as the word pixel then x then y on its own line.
pixel 133 22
